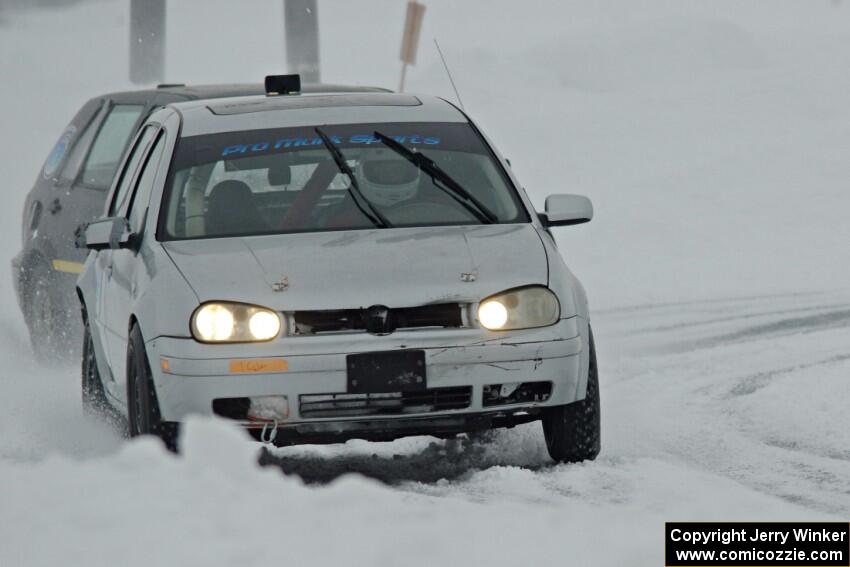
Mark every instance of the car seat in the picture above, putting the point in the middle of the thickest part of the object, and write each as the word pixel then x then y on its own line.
pixel 231 210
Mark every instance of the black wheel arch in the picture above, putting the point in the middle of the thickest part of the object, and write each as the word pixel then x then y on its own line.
pixel 84 312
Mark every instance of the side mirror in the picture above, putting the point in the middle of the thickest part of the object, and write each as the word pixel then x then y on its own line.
pixel 112 232
pixel 566 210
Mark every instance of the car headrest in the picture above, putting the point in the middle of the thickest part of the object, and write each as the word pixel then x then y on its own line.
pixel 279 173
pixel 231 209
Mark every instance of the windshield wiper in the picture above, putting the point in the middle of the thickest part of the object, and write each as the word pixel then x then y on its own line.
pixel 447 184
pixel 375 215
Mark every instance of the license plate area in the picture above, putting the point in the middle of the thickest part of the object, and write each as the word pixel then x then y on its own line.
pixel 385 372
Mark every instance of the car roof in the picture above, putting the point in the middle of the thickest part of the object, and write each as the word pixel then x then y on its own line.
pixel 309 109
pixel 199 92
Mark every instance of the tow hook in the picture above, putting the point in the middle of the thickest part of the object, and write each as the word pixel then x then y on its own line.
pixel 269 433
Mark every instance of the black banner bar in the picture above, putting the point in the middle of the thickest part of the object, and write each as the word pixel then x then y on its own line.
pixel 757 544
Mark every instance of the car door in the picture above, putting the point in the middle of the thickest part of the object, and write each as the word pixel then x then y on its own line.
pixel 108 321
pixel 44 204
pixel 127 265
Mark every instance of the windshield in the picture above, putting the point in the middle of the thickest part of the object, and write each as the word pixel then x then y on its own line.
pixel 289 180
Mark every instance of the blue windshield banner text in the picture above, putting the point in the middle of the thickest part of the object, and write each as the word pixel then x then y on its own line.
pixel 305 143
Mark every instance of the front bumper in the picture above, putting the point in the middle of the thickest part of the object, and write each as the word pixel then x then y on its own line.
pixel 199 373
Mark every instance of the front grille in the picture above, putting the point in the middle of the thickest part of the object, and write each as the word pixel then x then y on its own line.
pixel 397 403
pixel 527 392
pixel 435 315
pixel 232 408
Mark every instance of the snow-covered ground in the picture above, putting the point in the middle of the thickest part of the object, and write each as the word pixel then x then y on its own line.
pixel 712 137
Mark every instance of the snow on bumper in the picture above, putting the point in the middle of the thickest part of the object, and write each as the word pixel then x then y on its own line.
pixel 198 373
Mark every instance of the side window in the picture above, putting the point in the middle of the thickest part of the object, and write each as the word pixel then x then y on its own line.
pixel 130 166
pixel 141 197
pixel 78 153
pixel 69 138
pixel 108 146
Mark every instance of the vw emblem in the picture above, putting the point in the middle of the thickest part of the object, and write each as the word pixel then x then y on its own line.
pixel 380 320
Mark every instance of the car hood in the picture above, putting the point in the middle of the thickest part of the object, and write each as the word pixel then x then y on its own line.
pixel 400 267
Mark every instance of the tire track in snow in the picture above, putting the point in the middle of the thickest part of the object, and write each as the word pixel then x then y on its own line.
pixel 795 325
pixel 680 401
pixel 743 317
pixel 753 382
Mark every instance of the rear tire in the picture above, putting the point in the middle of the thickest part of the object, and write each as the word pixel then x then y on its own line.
pixel 573 431
pixel 48 319
pixel 143 415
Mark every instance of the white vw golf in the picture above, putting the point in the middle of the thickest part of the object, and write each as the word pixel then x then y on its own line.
pixel 320 267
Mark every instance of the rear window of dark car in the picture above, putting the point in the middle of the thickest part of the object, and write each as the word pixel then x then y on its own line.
pixel 108 147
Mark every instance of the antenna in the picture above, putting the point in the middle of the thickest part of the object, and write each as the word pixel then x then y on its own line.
pixel 449 73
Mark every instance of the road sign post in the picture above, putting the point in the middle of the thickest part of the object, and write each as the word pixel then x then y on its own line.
pixel 410 39
pixel 301 24
pixel 147 41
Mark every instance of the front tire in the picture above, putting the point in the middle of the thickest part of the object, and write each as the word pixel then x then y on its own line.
pixel 573 431
pixel 143 414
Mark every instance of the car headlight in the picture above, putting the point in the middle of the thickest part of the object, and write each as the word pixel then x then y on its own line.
pixel 521 308
pixel 221 322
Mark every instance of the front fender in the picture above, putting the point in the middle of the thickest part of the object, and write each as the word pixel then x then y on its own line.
pixel 164 302
pixel 573 297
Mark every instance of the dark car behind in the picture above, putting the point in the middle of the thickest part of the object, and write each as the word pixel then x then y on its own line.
pixel 71 189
